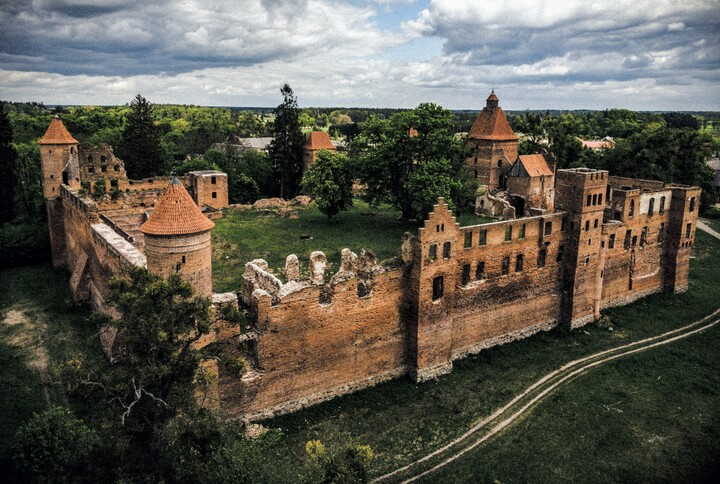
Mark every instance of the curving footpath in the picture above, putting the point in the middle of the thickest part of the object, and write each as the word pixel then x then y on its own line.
pixel 535 393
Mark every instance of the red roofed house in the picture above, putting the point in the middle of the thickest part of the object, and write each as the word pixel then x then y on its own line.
pixel 531 184
pixel 317 140
pixel 494 145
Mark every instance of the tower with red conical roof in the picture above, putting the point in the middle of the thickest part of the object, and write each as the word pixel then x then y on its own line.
pixel 494 145
pixel 59 160
pixel 177 239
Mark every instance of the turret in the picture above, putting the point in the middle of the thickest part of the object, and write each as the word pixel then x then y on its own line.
pixel 494 146
pixel 59 159
pixel 177 239
pixel 59 156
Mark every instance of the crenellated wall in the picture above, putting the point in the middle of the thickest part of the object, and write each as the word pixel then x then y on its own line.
pixel 459 290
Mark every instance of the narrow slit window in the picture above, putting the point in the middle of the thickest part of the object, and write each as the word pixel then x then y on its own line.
pixel 483 237
pixel 468 240
pixel 519 263
pixel 466 275
pixel 438 288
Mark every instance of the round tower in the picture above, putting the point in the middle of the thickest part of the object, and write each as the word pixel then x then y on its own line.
pixel 177 239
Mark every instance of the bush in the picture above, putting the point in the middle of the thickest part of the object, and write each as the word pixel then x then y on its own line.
pixel 54 446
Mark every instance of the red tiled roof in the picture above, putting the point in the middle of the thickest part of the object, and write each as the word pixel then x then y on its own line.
pixel 492 96
pixel 56 134
pixel 176 214
pixel 319 140
pixel 535 165
pixel 492 126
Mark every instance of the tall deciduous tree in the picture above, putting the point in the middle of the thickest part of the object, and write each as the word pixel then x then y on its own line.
pixel 286 147
pixel 8 177
pixel 329 182
pixel 140 147
pixel 411 157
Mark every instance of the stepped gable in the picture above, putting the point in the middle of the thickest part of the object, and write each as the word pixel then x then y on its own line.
pixel 319 140
pixel 57 134
pixel 535 165
pixel 176 214
pixel 491 123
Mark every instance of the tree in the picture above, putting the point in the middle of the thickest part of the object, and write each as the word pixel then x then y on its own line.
pixel 667 154
pixel 140 147
pixel 329 182
pixel 286 147
pixel 154 385
pixel 54 446
pixel 388 153
pixel 8 158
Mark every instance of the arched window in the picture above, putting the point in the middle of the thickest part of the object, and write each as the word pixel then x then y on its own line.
pixel 662 205
pixel 651 208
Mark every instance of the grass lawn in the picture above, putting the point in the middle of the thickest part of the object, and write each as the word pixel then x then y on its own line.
pixel 572 433
pixel 241 236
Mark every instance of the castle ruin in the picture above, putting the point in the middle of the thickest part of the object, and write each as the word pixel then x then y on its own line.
pixel 580 241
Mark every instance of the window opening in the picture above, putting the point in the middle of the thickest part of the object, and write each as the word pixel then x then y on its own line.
pixel 508 233
pixel 521 232
pixel 432 253
pixel 468 240
pixel 542 255
pixel 437 288
pixel 480 271
pixel 505 265
pixel 548 228
pixel 446 250
pixel 483 237
pixel 466 275
pixel 519 263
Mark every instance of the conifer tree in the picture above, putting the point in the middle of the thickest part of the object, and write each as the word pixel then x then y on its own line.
pixel 8 157
pixel 286 147
pixel 140 142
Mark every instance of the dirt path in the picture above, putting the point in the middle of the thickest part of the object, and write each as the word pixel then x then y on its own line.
pixel 524 402
pixel 706 228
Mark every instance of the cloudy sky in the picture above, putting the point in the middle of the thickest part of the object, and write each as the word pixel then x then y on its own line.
pixel 569 54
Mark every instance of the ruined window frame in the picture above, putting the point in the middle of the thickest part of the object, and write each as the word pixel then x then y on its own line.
pixel 548 228
pixel 505 268
pixel 519 261
pixel 661 233
pixel 661 210
pixel 643 236
pixel 628 239
pixel 447 250
pixel 508 233
pixel 631 210
pixel 465 278
pixel 480 271
pixel 438 288
pixel 692 204
pixel 688 229
pixel 432 252
pixel 651 207
pixel 482 238
pixel 521 232
pixel 611 241
pixel 542 257
pixel 467 243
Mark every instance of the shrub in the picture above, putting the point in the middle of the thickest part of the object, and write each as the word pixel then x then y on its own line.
pixel 23 244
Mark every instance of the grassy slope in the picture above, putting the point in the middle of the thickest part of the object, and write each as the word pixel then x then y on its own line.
pixel 241 236
pixel 403 421
pixel 43 296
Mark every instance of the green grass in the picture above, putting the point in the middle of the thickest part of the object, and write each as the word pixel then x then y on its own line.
pixel 403 421
pixel 241 236
pixel 37 298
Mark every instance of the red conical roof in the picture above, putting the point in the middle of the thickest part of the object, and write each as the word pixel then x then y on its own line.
pixel 56 134
pixel 319 140
pixel 492 125
pixel 176 214
pixel 492 96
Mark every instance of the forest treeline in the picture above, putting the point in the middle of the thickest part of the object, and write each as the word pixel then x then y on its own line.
pixel 179 138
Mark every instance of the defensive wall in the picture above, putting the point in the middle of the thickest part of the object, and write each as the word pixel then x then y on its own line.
pixel 600 242
pixel 458 291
